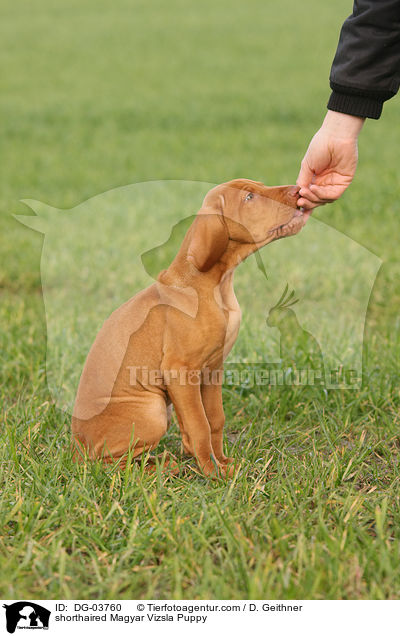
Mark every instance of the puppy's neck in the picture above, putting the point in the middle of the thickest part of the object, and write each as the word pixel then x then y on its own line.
pixel 183 273
pixel 236 253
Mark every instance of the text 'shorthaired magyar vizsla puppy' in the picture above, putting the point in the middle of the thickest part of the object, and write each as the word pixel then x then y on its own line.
pixel 167 344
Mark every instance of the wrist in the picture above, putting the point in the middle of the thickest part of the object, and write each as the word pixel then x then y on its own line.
pixel 342 126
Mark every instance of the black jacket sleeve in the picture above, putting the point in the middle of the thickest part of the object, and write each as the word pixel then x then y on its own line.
pixel 366 68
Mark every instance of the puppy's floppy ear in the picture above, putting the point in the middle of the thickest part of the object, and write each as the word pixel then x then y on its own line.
pixel 209 239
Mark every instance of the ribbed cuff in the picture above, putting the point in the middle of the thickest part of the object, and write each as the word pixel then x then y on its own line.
pixel 355 105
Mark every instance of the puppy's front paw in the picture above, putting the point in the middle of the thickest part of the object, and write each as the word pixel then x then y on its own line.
pixel 226 460
pixel 228 470
pixel 185 450
pixel 217 470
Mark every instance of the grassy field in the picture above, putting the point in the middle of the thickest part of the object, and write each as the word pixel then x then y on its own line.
pixel 99 95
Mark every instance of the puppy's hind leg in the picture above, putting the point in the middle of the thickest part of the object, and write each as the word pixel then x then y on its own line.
pixel 126 428
pixel 152 418
pixel 170 410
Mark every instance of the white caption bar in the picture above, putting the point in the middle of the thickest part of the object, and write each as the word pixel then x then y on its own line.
pixel 175 617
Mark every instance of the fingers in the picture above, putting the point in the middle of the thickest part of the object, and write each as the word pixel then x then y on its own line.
pixel 309 200
pixel 305 175
pixel 326 170
pixel 315 195
pixel 327 193
pixel 308 194
pixel 307 204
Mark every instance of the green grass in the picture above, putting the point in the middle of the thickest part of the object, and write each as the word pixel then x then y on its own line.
pixel 98 95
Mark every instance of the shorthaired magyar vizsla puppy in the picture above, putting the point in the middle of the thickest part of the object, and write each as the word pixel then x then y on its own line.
pixel 168 343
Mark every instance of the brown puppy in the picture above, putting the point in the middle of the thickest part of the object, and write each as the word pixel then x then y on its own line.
pixel 168 343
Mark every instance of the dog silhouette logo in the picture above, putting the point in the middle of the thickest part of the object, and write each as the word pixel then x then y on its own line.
pixel 99 254
pixel 26 615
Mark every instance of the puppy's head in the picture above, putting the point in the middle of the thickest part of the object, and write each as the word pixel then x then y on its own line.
pixel 243 212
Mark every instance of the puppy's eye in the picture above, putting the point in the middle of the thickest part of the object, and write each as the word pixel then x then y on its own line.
pixel 249 196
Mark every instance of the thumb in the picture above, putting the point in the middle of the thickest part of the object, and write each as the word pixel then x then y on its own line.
pixel 305 175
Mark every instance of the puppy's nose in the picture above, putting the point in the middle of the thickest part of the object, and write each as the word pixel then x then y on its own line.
pixel 293 195
pixel 293 191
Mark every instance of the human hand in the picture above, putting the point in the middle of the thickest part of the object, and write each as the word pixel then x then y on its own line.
pixel 330 162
